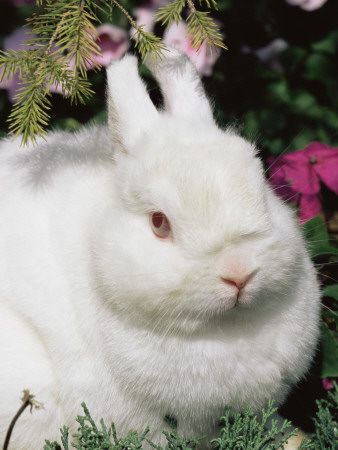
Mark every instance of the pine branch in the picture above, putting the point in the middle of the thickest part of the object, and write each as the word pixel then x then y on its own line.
pixel 214 4
pixel 77 37
pixel 70 26
pixel 38 72
pixel 40 68
pixel 147 43
pixel 203 29
pixel 63 35
pixel 171 13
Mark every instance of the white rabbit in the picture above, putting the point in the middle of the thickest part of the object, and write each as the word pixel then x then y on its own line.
pixel 148 269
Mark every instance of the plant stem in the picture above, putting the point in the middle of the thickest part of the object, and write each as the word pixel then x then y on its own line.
pixel 56 32
pixel 27 399
pixel 191 6
pixel 125 12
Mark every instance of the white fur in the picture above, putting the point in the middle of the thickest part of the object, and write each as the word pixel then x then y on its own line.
pixel 95 308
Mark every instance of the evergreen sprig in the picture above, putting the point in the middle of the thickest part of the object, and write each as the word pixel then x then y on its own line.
pixel 61 45
pixel 213 2
pixel 146 42
pixel 240 431
pixel 62 35
pixel 171 13
pixel 203 29
pixel 65 30
pixel 326 422
pixel 38 71
pixel 245 431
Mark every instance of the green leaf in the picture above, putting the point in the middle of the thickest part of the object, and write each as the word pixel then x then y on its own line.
pixel 329 352
pixel 318 239
pixel 319 67
pixel 304 103
pixel 331 291
pixel 327 45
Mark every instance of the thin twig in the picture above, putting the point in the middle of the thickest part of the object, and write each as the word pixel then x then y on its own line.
pixel 206 35
pixel 56 32
pixel 125 12
pixel 191 6
pixel 27 400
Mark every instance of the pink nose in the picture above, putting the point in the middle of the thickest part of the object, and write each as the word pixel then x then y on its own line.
pixel 238 281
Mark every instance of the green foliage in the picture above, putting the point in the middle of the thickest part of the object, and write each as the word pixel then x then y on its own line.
pixel 243 431
pixel 329 350
pixel 90 437
pixel 319 243
pixel 171 13
pixel 326 422
pixel 201 27
pixel 38 72
pixel 60 27
pixel 203 30
pixel 246 431
pixel 148 44
pixel 324 251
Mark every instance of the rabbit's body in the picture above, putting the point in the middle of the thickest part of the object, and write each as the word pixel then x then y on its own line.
pixel 96 307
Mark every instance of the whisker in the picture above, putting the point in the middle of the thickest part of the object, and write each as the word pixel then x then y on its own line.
pixel 329 309
pixel 320 240
pixel 287 148
pixel 326 264
pixel 325 222
pixel 330 278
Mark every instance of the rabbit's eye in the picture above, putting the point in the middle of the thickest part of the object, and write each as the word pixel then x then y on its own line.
pixel 160 225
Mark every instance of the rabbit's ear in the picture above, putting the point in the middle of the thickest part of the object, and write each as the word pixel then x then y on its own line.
pixel 181 86
pixel 130 110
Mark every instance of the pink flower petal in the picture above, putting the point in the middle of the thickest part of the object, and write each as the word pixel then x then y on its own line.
pixel 307 5
pixel 325 163
pixel 295 169
pixel 176 36
pixel 268 55
pixel 145 14
pixel 309 206
pixel 327 384
pixel 145 17
pixel 297 176
pixel 113 42
pixel 311 5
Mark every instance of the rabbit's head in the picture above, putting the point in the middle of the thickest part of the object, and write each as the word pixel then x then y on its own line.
pixel 194 234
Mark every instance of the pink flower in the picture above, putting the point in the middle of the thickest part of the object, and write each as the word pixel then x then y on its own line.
pixel 268 55
pixel 145 14
pixel 327 384
pixel 307 5
pixel 176 36
pixel 113 42
pixel 297 176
